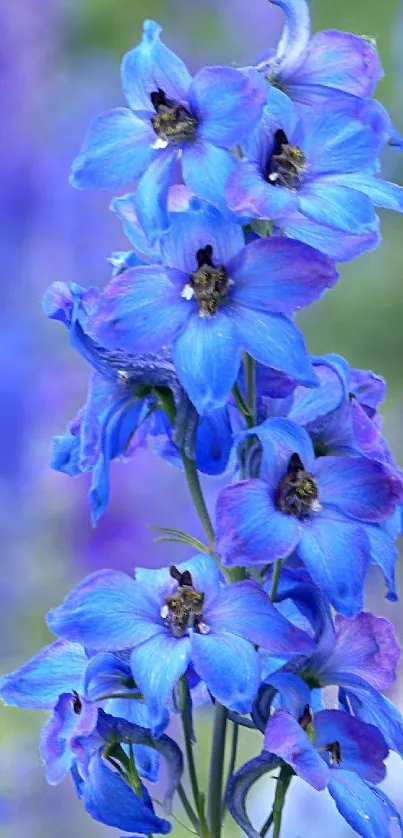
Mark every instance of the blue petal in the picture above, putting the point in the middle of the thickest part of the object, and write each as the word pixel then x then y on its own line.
pixel 285 737
pixel 280 438
pixel 340 137
pixel 136 712
pixel 56 741
pixel 65 454
pixel 363 748
pixel 192 230
pixel 206 169
pixel 280 276
pixel 374 709
pixel 342 247
pixel 360 488
pixel 363 809
pixel 279 112
pixel 336 556
pixel 108 799
pixel 250 196
pixel 151 196
pixel 125 209
pixel 273 340
pixel 239 786
pixel 315 403
pixel 230 667
pixel 250 529
pixel 336 206
pixel 157 666
pixel 214 442
pixel 293 693
pixel 341 60
pixel 117 149
pixel 381 192
pixel 227 103
pixel 106 674
pixel 141 310
pixel 385 555
pixel 295 38
pixel 130 613
pixel 207 356
pixel 37 684
pixel 150 66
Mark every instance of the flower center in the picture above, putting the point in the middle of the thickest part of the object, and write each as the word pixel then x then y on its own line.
pixel 76 702
pixel 286 163
pixel 297 493
pixel 209 283
pixel 183 609
pixel 173 123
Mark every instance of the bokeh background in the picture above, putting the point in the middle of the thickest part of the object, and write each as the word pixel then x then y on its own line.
pixel 59 66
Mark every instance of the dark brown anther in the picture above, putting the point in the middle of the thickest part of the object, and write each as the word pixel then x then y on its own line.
pixel 77 706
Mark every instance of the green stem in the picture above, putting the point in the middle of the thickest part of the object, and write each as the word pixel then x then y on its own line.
pixel 188 808
pixel 189 746
pixel 266 826
pixel 283 782
pixel 232 759
pixel 195 489
pixel 242 406
pixel 214 808
pixel 250 380
pixel 275 579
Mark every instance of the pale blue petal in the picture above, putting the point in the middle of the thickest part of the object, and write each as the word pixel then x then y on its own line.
pixel 230 667
pixel 336 206
pixel 296 35
pixel 227 103
pixel 191 231
pixel 342 247
pixel 151 196
pixel 56 669
pixel 157 666
pixel 366 813
pixel 206 169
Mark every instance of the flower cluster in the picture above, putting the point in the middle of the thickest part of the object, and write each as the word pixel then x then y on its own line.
pixel 193 344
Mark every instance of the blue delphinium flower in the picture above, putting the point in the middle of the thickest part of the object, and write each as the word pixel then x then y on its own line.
pixel 314 174
pixel 320 508
pixel 170 115
pixel 171 618
pixel 212 297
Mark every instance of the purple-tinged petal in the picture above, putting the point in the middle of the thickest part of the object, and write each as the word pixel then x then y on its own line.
pixel 230 667
pixel 366 646
pixel 227 103
pixel 280 439
pixel 37 684
pixel 336 206
pixel 359 805
pixel 342 247
pixel 285 737
pixel 239 786
pixel 141 310
pixel 363 748
pixel 130 613
pixel 250 530
pixel 380 192
pixel 206 169
pixel 360 488
pixel 293 694
pixel 157 666
pixel 109 799
pixel 336 555
pixel 105 674
pixel 280 276
pixel 296 36
pixel 341 60
pixel 150 66
pixel 151 196
pixel 117 149
pixel 339 137
pixel 244 609
pixel 207 356
pixel 249 195
pixel 58 733
pixel 311 404
pixel 385 555
pixel 274 340
pixel 191 231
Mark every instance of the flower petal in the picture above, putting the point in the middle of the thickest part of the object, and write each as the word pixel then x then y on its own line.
pixel 374 709
pixel 214 442
pixel 207 356
pixel 150 66
pixel 244 609
pixel 227 103
pixel 341 136
pixel 130 613
pixel 239 786
pixel 360 488
pixel 37 684
pixel 341 60
pixel 250 530
pixel 296 35
pixel 359 805
pixel 229 665
pixel 363 748
pixel 151 196
pixel 336 556
pixel 57 734
pixel 277 275
pixel 275 341
pixel 381 192
pixel 285 737
pixel 385 555
pixel 157 666
pixel 249 195
pixel 336 206
pixel 206 169
pixel 117 149
pixel 141 310
pixel 191 231
pixel 342 247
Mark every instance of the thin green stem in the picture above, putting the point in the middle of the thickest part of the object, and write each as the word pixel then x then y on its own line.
pixel 189 746
pixel 195 489
pixel 215 790
pixel 242 406
pixel 275 579
pixel 232 759
pixel 188 808
pixel 266 826
pixel 283 782
pixel 250 380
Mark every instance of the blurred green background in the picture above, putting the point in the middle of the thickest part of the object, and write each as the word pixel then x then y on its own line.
pixel 60 66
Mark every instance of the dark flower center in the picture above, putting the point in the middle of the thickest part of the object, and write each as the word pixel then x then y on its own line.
pixel 76 702
pixel 183 609
pixel 286 163
pixel 297 493
pixel 209 283
pixel 173 123
pixel 334 749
